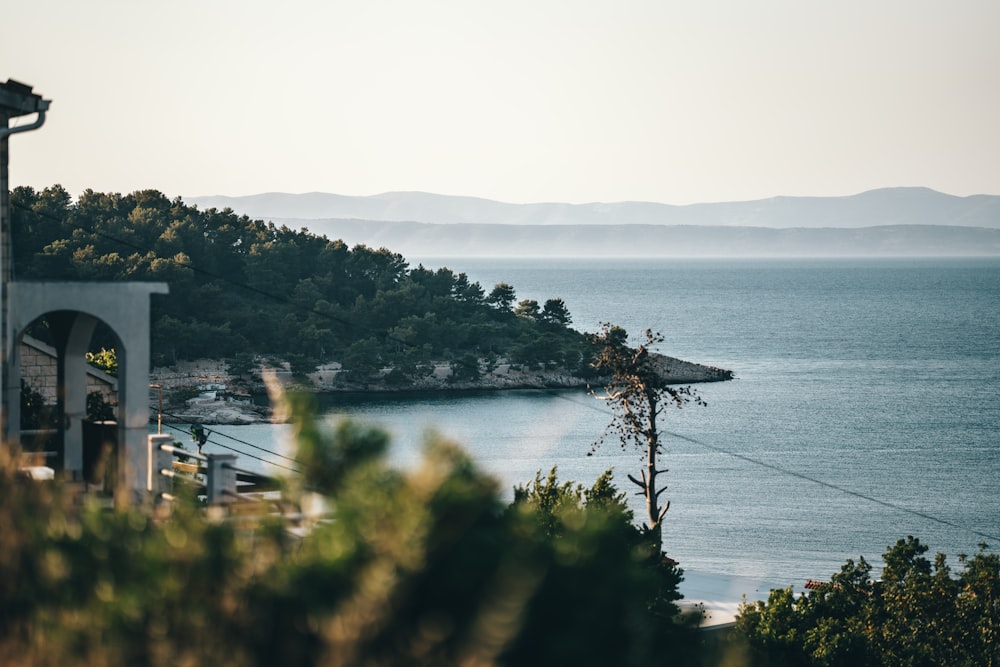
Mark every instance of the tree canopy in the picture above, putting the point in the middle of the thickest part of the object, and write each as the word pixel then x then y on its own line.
pixel 916 614
pixel 243 286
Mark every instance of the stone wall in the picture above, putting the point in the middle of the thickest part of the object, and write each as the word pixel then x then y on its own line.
pixel 188 374
pixel 39 371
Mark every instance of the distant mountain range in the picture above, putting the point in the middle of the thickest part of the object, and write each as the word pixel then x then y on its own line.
pixel 889 206
pixel 886 222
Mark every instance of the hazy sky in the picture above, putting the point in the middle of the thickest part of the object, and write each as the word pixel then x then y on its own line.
pixel 541 100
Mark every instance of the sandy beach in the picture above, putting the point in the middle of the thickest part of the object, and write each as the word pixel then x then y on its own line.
pixel 720 595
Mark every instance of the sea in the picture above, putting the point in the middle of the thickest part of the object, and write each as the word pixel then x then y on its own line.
pixel 865 406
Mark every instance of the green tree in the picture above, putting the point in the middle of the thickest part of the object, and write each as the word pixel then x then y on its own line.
pixel 541 351
pixel 979 606
pixel 916 614
pixel 502 297
pixel 466 291
pixel 637 588
pixel 363 360
pixel 465 368
pixel 242 364
pixel 105 360
pixel 555 312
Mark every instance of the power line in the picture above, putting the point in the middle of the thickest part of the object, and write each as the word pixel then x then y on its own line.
pixel 799 475
pixel 720 450
pixel 835 487
pixel 241 453
pixel 235 439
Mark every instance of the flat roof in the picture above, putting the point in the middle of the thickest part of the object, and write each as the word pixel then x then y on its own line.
pixel 17 99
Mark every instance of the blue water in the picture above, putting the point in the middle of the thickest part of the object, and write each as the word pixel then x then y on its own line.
pixel 866 405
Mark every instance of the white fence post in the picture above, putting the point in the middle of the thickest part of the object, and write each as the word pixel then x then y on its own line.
pixel 220 484
pixel 158 460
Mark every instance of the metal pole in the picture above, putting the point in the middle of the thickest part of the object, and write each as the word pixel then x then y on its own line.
pixel 16 99
pixel 5 355
pixel 159 412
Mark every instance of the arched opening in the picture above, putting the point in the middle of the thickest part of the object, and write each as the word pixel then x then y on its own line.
pixel 68 412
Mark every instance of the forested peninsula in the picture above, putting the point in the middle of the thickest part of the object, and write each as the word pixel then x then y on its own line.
pixel 251 294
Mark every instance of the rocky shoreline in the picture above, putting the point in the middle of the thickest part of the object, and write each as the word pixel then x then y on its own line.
pixel 235 404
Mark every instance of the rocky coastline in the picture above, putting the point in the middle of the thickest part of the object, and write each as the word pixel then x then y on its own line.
pixel 206 392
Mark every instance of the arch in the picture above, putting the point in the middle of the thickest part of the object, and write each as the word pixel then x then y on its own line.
pixel 71 336
pixel 73 310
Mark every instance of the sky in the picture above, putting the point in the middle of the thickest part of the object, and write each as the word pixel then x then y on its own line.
pixel 519 101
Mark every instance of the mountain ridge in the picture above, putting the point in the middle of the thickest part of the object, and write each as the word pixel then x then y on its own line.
pixel 872 208
pixel 418 239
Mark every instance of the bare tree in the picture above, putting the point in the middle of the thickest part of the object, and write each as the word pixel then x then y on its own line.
pixel 637 392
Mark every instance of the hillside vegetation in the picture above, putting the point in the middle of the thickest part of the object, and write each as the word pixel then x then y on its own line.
pixel 243 288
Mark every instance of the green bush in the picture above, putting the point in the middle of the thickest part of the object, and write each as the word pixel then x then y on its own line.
pixel 422 567
pixel 916 614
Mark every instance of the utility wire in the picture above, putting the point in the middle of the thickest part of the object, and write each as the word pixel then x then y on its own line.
pixel 835 487
pixel 798 475
pixel 241 453
pixel 235 439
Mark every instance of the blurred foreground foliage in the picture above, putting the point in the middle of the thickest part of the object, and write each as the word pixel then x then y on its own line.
pixel 917 614
pixel 429 566
pixel 426 566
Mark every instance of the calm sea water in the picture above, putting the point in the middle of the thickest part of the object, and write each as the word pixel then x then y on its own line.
pixel 866 405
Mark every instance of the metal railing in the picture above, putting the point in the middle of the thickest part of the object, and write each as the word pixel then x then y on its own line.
pixel 42 446
pixel 224 482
